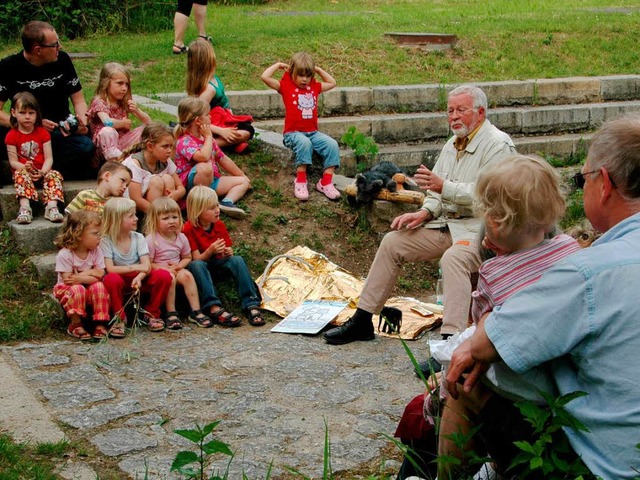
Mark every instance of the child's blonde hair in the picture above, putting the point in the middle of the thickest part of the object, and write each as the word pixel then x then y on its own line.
pixel 112 167
pixel 74 226
pixel 199 199
pixel 152 133
pixel 114 210
pixel 160 206
pixel 106 74
pixel 189 109
pixel 201 65
pixel 25 100
pixel 519 193
pixel 302 64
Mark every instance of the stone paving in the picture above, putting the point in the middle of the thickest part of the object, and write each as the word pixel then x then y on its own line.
pixel 272 392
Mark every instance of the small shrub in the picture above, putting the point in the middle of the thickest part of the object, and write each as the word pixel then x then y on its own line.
pixel 364 148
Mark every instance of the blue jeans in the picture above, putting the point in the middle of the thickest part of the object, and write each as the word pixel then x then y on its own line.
pixel 304 144
pixel 72 155
pixel 235 265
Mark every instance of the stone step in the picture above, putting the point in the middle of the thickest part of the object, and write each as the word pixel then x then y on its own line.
pixel 36 237
pixel 9 203
pixel 264 104
pixel 45 266
pixel 416 127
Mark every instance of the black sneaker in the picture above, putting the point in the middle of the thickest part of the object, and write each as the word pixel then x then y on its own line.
pixel 353 330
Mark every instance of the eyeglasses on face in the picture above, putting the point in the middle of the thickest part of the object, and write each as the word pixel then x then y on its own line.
pixel 579 180
pixel 460 111
pixel 55 45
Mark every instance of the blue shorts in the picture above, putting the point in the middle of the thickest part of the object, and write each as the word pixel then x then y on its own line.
pixel 192 175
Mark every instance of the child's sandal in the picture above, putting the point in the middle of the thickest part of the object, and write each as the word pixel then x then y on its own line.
pixel 200 319
pixel 154 324
pixel 78 331
pixel 118 330
pixel 172 321
pixel 25 216
pixel 225 319
pixel 53 214
pixel 254 315
pixel 99 332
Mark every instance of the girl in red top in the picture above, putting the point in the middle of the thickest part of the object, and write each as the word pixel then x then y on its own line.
pixel 30 157
pixel 213 257
pixel 300 91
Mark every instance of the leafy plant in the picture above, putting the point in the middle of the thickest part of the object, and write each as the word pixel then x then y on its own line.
pixel 364 148
pixel 184 459
pixel 548 453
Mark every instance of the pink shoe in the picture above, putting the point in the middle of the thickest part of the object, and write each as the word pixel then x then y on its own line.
pixel 300 191
pixel 241 147
pixel 329 190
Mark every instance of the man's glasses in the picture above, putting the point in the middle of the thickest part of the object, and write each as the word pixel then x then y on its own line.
pixel 578 179
pixel 459 111
pixel 55 45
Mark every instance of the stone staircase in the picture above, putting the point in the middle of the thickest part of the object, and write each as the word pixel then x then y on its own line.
pixel 546 116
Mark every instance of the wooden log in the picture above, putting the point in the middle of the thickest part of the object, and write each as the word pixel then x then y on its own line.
pixel 405 196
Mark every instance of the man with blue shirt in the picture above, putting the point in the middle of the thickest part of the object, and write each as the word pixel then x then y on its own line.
pixel 582 316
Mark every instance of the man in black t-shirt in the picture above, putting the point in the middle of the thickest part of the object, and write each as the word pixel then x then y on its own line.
pixel 46 72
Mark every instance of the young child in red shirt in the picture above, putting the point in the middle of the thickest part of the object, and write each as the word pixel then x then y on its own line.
pixel 300 90
pixel 213 256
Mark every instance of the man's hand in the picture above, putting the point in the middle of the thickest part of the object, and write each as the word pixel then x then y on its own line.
pixel 428 180
pixel 410 220
pixel 49 125
pixel 463 362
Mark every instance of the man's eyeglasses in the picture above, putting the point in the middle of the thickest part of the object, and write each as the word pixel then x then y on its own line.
pixel 55 45
pixel 459 111
pixel 578 179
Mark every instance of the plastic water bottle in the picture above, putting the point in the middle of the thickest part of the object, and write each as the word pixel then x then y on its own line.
pixel 440 289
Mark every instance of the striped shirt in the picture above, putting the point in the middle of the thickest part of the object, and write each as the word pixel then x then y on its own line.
pixel 504 275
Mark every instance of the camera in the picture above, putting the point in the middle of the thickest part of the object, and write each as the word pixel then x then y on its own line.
pixel 69 125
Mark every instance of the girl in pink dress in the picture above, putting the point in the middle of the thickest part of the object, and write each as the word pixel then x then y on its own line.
pixel 109 111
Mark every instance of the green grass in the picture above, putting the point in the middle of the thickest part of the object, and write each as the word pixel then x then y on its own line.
pixel 499 40
pixel 20 461
pixel 25 312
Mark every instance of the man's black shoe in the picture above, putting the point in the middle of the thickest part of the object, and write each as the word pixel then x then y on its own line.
pixel 429 367
pixel 353 330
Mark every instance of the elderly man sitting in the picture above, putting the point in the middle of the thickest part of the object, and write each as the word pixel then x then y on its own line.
pixel 444 226
pixel 580 321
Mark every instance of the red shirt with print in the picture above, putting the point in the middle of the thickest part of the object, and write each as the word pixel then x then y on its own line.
pixel 300 105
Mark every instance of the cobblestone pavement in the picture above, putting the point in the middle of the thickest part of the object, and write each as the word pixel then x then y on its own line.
pixel 272 392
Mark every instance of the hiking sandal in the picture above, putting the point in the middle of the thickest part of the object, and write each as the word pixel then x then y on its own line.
pixel 154 324
pixel 225 319
pixel 118 330
pixel 78 331
pixel 172 321
pixel 100 332
pixel 200 319
pixel 53 214
pixel 25 216
pixel 180 49
pixel 207 38
pixel 254 315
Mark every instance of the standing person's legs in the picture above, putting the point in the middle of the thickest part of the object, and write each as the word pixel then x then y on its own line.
pixel 180 23
pixel 200 17
pixel 396 248
pixel 458 263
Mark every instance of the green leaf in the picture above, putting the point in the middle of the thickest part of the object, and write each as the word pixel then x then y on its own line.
pixel 194 435
pixel 564 399
pixel 525 446
pixel 209 428
pixel 536 463
pixel 183 458
pixel 216 446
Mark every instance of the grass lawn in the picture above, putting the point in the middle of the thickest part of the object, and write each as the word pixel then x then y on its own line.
pixel 499 40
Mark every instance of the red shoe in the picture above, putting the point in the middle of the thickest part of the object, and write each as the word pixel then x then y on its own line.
pixel 241 147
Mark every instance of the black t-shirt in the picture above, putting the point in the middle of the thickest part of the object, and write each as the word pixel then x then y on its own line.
pixel 52 83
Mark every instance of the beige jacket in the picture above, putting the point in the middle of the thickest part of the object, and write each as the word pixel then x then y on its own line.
pixel 454 207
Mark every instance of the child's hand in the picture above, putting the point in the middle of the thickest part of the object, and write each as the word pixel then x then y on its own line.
pixel 125 124
pixel 133 106
pixel 136 283
pixel 228 252
pixel 283 66
pixel 205 130
pixel 217 247
pixel 71 279
pixel 230 135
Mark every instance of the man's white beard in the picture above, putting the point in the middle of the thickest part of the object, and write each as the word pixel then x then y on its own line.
pixel 461 132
